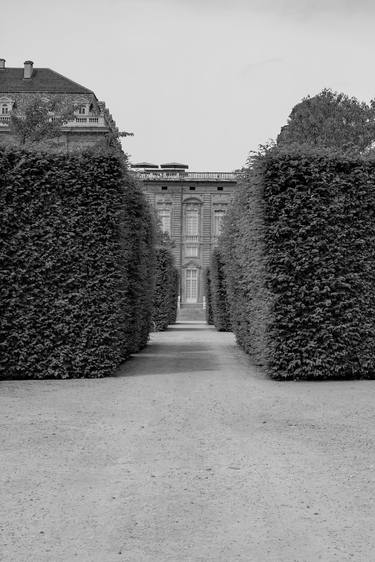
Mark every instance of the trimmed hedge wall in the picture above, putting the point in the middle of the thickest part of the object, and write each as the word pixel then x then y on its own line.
pixel 219 298
pixel 209 313
pixel 77 265
pixel 242 249
pixel 299 252
pixel 137 237
pixel 166 290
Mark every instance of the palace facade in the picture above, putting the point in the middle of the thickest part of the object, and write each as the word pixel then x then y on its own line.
pixel 90 122
pixel 191 207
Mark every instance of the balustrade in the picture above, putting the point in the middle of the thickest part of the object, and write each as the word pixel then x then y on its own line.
pixel 155 175
pixel 4 120
pixel 189 238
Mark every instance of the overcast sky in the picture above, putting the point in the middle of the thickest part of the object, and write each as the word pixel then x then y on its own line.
pixel 198 81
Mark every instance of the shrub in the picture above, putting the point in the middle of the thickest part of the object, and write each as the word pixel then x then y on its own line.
pixel 77 260
pixel 209 313
pixel 166 290
pixel 219 299
pixel 299 259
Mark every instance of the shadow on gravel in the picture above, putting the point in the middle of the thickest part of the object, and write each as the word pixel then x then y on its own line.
pixel 159 359
pixel 157 349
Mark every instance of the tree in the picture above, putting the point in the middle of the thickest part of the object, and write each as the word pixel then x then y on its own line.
pixel 331 120
pixel 110 143
pixel 38 119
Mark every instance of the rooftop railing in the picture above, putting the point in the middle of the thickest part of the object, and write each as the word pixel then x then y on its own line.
pixel 75 122
pixel 156 175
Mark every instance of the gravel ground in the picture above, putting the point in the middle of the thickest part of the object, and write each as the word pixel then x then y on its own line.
pixel 188 454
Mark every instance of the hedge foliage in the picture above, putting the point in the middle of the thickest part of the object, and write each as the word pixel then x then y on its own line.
pixel 219 298
pixel 166 290
pixel 209 312
pixel 77 265
pixel 299 252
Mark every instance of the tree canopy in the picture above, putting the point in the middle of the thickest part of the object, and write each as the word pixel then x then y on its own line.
pixel 37 119
pixel 331 120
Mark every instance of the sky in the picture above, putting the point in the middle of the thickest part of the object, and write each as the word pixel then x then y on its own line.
pixel 202 82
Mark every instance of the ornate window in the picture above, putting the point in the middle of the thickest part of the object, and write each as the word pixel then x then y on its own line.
pixel 191 250
pixel 165 218
pixel 192 221
pixel 6 105
pixel 218 221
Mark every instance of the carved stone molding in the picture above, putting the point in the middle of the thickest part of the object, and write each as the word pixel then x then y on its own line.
pixel 191 264
pixel 193 201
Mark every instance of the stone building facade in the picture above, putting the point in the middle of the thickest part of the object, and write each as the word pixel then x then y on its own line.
pixel 191 207
pixel 90 122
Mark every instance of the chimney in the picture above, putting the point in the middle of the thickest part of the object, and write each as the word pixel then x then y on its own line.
pixel 28 69
pixel 2 64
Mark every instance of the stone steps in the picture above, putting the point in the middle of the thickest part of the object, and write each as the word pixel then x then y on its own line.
pixel 190 313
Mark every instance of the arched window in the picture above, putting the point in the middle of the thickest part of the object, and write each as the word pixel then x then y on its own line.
pixel 4 109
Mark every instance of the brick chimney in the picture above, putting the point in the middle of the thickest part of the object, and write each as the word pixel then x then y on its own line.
pixel 28 69
pixel 2 64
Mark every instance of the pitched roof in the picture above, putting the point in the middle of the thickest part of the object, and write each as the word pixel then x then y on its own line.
pixel 42 80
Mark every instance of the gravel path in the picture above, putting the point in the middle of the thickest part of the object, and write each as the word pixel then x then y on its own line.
pixel 187 455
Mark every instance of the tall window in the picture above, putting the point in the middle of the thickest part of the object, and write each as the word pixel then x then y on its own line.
pixel 165 218
pixel 191 285
pixel 192 222
pixel 191 251
pixel 218 222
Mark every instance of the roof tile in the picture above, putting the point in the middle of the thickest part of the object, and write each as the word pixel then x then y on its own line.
pixel 42 80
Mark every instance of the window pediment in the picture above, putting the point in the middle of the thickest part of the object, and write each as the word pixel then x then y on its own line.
pixel 191 265
pixel 193 201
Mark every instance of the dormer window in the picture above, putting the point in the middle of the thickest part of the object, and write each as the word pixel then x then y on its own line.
pixel 6 105
pixel 82 110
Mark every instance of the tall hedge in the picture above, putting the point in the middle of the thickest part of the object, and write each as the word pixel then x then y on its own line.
pixel 219 297
pixel 77 263
pixel 166 290
pixel 242 249
pixel 299 252
pixel 137 240
pixel 209 313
